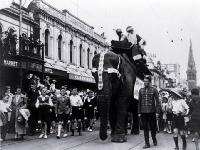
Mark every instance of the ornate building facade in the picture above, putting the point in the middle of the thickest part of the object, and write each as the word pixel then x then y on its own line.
pixel 191 70
pixel 70 43
pixel 18 59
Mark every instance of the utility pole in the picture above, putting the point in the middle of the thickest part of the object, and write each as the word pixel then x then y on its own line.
pixel 20 17
pixel 20 33
pixel 20 25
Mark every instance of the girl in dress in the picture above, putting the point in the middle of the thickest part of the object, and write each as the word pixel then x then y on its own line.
pixel 43 103
pixel 169 115
pixel 164 110
pixel 17 122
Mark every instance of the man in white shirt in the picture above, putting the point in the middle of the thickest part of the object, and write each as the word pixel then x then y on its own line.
pixel 179 109
pixel 77 110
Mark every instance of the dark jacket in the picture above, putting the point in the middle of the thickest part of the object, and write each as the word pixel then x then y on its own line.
pixel 148 100
pixel 195 105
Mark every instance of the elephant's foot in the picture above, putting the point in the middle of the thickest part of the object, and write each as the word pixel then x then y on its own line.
pixel 103 134
pixel 119 138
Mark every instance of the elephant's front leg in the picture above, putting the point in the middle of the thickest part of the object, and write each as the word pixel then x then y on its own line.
pixel 112 118
pixel 121 114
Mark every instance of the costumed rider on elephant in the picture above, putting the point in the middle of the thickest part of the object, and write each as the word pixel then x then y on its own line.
pixel 136 47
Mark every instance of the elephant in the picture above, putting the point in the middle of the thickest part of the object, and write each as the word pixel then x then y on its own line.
pixel 115 77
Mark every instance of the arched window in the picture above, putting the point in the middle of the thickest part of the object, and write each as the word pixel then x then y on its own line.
pixel 59 46
pixel 47 34
pixel 71 51
pixel 88 58
pixel 80 51
pixel 95 52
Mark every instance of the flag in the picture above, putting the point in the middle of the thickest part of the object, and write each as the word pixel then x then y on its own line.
pixel 5 3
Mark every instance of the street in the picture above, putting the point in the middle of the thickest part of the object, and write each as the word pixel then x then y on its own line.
pixel 90 141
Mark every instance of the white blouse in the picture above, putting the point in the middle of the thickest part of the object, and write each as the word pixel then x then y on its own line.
pixel 180 106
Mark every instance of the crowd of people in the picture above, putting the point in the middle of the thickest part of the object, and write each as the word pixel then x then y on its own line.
pixel 43 109
pixel 179 115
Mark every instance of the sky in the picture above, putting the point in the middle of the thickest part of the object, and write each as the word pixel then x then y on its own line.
pixel 159 22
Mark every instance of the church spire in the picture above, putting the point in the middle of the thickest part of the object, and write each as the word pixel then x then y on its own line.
pixel 191 69
pixel 191 62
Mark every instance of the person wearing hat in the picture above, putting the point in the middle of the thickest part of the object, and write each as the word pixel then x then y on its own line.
pixel 137 43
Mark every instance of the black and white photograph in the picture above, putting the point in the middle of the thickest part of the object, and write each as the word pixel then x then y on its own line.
pixel 99 74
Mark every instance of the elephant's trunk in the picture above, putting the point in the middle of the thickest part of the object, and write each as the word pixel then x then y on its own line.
pixel 104 108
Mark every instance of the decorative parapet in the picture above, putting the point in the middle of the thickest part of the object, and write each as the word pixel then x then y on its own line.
pixel 68 18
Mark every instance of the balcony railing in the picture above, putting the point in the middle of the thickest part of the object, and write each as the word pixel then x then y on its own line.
pixel 30 47
pixel 22 46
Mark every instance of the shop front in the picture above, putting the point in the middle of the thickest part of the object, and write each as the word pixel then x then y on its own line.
pixel 71 78
pixel 14 71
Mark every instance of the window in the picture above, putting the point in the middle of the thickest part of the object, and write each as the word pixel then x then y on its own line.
pixel 80 51
pixel 59 46
pixel 95 52
pixel 71 51
pixel 88 58
pixel 47 35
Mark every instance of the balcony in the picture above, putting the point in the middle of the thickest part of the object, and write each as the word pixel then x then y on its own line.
pixel 25 47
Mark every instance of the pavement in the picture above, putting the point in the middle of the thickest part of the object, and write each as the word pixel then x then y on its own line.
pixel 90 141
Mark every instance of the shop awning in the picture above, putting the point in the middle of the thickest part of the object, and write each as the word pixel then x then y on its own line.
pixel 77 74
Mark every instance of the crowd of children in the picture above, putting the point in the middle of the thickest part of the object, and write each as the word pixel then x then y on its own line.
pixel 44 109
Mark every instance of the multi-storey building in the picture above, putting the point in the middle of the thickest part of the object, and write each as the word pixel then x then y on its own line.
pixel 173 72
pixel 70 44
pixel 16 59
